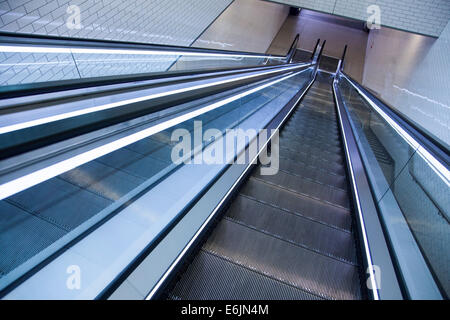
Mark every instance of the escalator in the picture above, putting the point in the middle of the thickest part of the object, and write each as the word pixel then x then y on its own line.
pixel 88 180
pixel 289 235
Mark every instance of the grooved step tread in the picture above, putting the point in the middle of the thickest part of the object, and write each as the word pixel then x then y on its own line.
pixel 305 206
pixel 317 274
pixel 320 192
pixel 315 160
pixel 293 228
pixel 226 280
pixel 321 176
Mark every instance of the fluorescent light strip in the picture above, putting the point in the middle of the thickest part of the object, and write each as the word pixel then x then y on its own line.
pixel 12 187
pixel 36 122
pixel 35 49
pixel 435 164
pixel 355 190
pixel 219 205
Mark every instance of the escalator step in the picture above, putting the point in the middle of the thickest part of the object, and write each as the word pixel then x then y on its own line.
pixel 284 261
pixel 308 207
pixel 293 228
pixel 304 144
pixel 226 280
pixel 310 159
pixel 320 192
pixel 307 172
pixel 313 150
pixel 311 140
pixel 331 147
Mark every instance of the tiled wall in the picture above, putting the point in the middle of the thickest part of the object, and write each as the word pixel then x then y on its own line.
pixel 247 25
pixel 428 17
pixel 174 22
pixel 312 25
pixel 177 22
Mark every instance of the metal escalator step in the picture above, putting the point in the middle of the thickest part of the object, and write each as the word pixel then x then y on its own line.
pixel 315 93
pixel 320 192
pixel 326 109
pixel 308 207
pixel 307 144
pixel 312 166
pixel 305 148
pixel 310 131
pixel 321 176
pixel 294 228
pixel 210 277
pixel 323 91
pixel 328 126
pixel 318 116
pixel 303 133
pixel 319 101
pixel 284 261
pixel 316 160
pixel 326 144
pixel 303 123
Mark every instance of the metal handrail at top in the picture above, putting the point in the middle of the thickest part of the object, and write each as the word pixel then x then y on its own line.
pixel 44 40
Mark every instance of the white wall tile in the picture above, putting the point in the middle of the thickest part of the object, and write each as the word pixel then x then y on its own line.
pixel 174 22
pixel 428 17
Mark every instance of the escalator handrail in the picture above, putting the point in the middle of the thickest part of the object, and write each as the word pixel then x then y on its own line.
pixel 291 51
pixel 315 49
pixel 11 91
pixel 434 152
pixel 46 40
pixel 370 233
pixel 6 188
pixel 412 287
pixel 319 57
pixel 341 63
pixel 11 286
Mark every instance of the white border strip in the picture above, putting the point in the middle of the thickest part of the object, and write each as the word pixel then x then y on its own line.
pixel 361 218
pixel 42 49
pixel 62 116
pixel 213 213
pixel 435 164
pixel 12 187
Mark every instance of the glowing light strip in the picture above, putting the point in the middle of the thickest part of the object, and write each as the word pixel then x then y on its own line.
pixel 35 49
pixel 361 218
pixel 62 116
pixel 14 186
pixel 439 168
pixel 219 205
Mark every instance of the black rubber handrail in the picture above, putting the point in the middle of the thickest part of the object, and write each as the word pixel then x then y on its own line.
pixel 315 49
pixel 11 91
pixel 30 138
pixel 321 51
pixel 27 89
pixel 45 40
pixel 292 49
pixel 343 58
